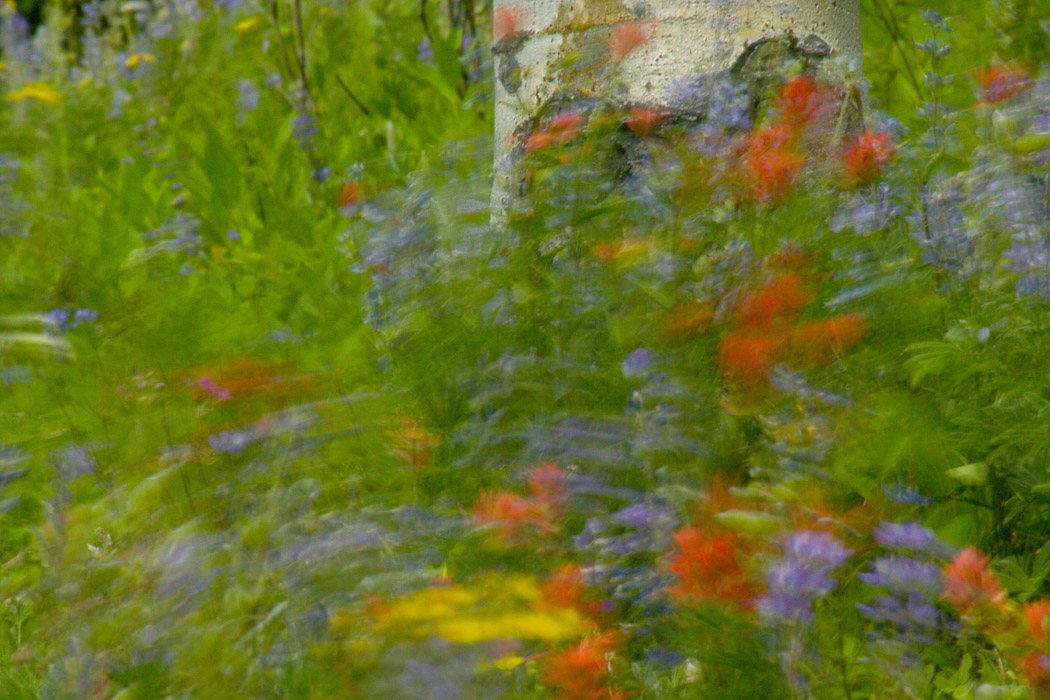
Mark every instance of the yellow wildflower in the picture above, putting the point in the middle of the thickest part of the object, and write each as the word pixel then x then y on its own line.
pixel 137 58
pixel 508 662
pixel 36 91
pixel 498 607
pixel 246 25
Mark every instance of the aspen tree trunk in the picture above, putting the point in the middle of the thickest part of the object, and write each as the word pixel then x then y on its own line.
pixel 547 49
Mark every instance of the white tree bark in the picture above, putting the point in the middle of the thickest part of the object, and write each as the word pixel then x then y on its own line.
pixel 536 37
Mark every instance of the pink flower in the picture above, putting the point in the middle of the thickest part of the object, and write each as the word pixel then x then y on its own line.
pixel 213 389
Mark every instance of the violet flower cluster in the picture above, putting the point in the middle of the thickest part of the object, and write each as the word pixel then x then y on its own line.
pixel 802 577
pixel 908 583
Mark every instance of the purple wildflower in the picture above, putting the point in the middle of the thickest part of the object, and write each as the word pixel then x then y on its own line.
pixel 911 536
pixel 912 612
pixel 230 442
pixel 903 574
pixel 84 316
pixel 425 52
pixel 643 516
pixel 802 577
pixel 59 318
pixel 817 547
pixel 636 364
pixel 899 493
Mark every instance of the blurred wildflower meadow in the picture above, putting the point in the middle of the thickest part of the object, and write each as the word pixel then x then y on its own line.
pixel 744 406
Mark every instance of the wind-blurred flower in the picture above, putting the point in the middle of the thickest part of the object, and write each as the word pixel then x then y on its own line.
pixel 802 99
pixel 637 363
pixel 818 341
pixel 747 357
pixel 626 38
pixel 212 389
pixel 902 574
pixel 512 514
pixel 1037 661
pixel 867 157
pixel 136 59
pixel 507 21
pixel 1035 614
pixel 547 483
pixel 643 121
pixel 42 92
pixel 565 126
pixel 969 582
pixel 770 165
pixel 565 588
pixel 802 577
pixel 425 51
pixel 782 299
pixel 708 568
pixel 1001 82
pixel 581 672
pixel 909 536
pixel 84 316
pixel 904 495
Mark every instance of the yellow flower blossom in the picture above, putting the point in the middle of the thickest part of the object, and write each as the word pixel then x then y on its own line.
pixel 36 91
pixel 508 663
pixel 136 59
pixel 499 607
pixel 246 25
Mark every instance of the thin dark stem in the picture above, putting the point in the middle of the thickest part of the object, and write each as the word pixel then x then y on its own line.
pixel 349 93
pixel 423 19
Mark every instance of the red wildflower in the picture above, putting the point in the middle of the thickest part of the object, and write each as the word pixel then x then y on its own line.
pixel 347 195
pixel 747 357
pixel 867 157
pixel 783 298
pixel 627 38
pixel 802 99
pixel 1037 670
pixel 688 320
pixel 817 341
pixel 1035 616
pixel 581 671
pixel 538 141
pixel 969 582
pixel 1000 82
pixel 643 121
pixel 707 567
pixel 512 512
pixel 770 166
pixel 506 21
pixel 564 128
pixel 565 589
pixel 547 483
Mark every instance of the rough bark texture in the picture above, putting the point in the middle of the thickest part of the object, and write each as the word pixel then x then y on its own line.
pixel 551 53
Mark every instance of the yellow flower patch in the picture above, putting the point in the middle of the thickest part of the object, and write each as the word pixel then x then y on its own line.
pixel 35 91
